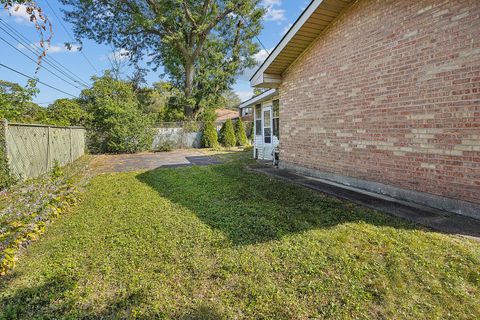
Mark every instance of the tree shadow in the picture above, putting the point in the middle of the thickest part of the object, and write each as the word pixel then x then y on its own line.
pixel 52 299
pixel 252 208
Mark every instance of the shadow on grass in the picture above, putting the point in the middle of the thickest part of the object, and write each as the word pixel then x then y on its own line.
pixel 251 208
pixel 52 300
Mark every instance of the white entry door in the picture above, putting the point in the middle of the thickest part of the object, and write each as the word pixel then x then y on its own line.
pixel 267 133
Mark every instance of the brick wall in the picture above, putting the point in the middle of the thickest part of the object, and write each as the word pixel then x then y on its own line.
pixel 390 93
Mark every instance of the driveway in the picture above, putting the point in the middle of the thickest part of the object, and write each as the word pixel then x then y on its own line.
pixel 150 160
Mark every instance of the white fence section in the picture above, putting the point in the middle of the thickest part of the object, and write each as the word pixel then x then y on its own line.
pixel 177 138
pixel 179 135
pixel 33 149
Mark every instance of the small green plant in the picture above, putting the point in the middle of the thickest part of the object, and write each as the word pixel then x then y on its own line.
pixel 227 135
pixel 240 133
pixel 209 135
pixel 56 170
pixel 5 178
pixel 165 146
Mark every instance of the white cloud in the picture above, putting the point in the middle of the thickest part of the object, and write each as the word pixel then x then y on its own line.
pixel 19 13
pixel 120 55
pixel 53 48
pixel 286 28
pixel 272 3
pixel 259 57
pixel 244 95
pixel 274 12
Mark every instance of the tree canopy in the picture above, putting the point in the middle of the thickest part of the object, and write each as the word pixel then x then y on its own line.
pixel 16 103
pixel 116 123
pixel 202 45
pixel 67 112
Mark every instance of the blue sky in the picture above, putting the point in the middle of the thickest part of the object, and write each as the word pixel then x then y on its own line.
pixel 280 15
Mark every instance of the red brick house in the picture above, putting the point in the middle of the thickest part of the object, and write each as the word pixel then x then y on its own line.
pixel 382 95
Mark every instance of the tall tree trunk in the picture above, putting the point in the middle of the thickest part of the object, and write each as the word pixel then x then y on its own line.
pixel 189 75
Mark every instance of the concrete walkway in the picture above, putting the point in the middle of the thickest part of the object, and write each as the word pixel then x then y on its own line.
pixel 151 160
pixel 432 218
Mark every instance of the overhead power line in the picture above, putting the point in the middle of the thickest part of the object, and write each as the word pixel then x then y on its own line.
pixel 70 36
pixel 39 65
pixel 35 49
pixel 258 39
pixel 36 53
pixel 31 78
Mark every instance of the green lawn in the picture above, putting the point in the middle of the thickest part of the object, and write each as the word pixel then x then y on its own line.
pixel 219 242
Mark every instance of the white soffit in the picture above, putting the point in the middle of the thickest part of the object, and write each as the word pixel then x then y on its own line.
pixel 316 17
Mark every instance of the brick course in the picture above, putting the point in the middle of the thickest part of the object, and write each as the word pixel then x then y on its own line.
pixel 390 93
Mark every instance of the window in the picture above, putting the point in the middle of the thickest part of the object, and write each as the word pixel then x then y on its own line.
pixel 246 111
pixel 276 119
pixel 267 126
pixel 258 120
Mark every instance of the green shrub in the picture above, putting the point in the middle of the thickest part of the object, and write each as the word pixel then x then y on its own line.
pixel 116 123
pixel 240 133
pixel 165 146
pixel 209 135
pixel 227 135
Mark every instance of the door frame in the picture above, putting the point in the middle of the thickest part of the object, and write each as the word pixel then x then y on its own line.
pixel 267 146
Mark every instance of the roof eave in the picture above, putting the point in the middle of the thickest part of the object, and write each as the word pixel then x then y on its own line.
pixel 264 96
pixel 259 78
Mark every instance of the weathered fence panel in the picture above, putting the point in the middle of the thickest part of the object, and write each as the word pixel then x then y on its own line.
pixel 32 149
pixel 177 138
pixel 179 135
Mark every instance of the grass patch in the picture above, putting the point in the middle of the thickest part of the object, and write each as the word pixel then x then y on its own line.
pixel 220 242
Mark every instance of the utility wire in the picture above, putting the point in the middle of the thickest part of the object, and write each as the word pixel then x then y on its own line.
pixel 38 51
pixel 39 65
pixel 27 46
pixel 69 35
pixel 258 39
pixel 45 84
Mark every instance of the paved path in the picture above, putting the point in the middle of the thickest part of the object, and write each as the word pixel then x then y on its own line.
pixel 435 219
pixel 150 161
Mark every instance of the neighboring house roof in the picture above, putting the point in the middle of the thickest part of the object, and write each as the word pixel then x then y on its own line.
pixel 259 98
pixel 225 114
pixel 316 17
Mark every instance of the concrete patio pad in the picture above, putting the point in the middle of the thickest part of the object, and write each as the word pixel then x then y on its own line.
pixel 151 160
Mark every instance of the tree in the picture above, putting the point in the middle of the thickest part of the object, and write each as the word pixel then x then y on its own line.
pixel 209 135
pixel 116 123
pixel 240 134
pixel 257 91
pixel 66 112
pixel 231 100
pixel 16 103
pixel 202 45
pixel 159 102
pixel 227 135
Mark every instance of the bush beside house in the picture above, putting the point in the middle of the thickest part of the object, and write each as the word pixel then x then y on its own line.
pixel 240 134
pixel 227 135
pixel 209 135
